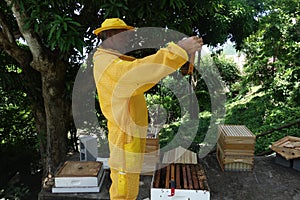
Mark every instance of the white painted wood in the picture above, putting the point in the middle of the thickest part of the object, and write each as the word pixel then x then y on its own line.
pixel 79 181
pixel 180 194
pixel 80 189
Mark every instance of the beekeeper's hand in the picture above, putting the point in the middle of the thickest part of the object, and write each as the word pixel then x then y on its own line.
pixel 191 44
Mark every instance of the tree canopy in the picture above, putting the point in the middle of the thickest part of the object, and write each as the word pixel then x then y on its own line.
pixel 273 51
pixel 44 43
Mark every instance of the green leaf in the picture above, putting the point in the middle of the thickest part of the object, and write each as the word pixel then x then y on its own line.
pixel 58 18
pixel 58 33
pixel 65 26
pixel 74 23
pixel 51 32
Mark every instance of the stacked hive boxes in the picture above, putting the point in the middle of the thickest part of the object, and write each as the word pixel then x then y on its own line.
pixel 235 148
pixel 77 177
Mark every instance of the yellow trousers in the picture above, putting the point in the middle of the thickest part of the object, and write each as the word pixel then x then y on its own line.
pixel 124 186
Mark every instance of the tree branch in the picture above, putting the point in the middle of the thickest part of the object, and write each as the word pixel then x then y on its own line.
pixel 297 122
pixel 11 48
pixel 29 35
pixel 8 42
pixel 5 28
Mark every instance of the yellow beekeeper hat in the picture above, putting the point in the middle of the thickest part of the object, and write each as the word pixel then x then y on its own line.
pixel 112 23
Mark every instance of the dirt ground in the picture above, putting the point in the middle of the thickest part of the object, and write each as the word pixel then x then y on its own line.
pixel 268 181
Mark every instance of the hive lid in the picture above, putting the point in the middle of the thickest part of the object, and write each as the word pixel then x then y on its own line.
pixel 236 130
pixel 80 169
pixel 288 147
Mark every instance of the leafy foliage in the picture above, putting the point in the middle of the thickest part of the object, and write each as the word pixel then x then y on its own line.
pixel 66 27
pixel 273 65
pixel 58 29
pixel 214 20
pixel 63 38
pixel 260 114
pixel 18 138
pixel 273 52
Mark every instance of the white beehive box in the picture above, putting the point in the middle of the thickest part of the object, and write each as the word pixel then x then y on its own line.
pixel 180 182
pixel 75 176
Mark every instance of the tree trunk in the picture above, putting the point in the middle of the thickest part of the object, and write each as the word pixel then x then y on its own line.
pixel 53 94
pixel 44 80
pixel 51 112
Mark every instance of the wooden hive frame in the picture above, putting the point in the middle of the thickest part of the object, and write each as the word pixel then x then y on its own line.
pixel 188 180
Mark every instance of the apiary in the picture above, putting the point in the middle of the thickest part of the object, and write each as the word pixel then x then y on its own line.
pixel 78 176
pixel 180 181
pixel 235 148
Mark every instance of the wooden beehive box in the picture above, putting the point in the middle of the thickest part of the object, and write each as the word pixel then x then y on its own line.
pixel 235 148
pixel 151 156
pixel 288 147
pixel 180 181
pixel 78 176
pixel 234 161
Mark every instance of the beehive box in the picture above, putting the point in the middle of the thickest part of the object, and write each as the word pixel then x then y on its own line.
pixel 235 148
pixel 288 147
pixel 151 156
pixel 78 176
pixel 180 181
pixel 234 161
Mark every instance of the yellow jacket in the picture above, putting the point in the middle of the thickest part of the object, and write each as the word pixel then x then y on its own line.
pixel 121 82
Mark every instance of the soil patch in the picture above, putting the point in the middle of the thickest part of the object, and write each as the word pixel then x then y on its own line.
pixel 267 181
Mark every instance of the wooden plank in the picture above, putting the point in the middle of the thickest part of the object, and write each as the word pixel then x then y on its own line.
pixel 201 177
pixel 229 152
pixel 79 169
pixel 172 179
pixel 180 155
pixel 220 158
pixel 157 179
pixel 152 142
pixel 167 182
pixel 150 149
pixel 172 172
pixel 178 182
pixel 184 177
pixel 237 146
pixel 194 177
pixel 189 176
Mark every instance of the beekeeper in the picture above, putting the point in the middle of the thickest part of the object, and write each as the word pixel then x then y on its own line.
pixel 121 82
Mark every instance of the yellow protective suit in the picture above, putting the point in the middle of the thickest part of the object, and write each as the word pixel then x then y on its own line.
pixel 121 82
